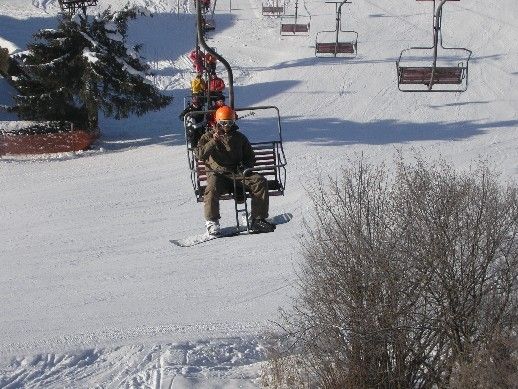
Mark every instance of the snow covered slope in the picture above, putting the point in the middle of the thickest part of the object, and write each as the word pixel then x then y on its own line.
pixel 92 292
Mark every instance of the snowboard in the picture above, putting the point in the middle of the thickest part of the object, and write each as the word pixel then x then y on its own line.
pixel 226 232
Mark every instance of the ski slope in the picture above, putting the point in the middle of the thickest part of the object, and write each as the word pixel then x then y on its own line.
pixel 92 293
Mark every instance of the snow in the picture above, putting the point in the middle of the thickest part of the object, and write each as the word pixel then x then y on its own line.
pixel 78 18
pixel 91 291
pixel 89 55
pixel 15 126
pixel 131 70
pixel 4 43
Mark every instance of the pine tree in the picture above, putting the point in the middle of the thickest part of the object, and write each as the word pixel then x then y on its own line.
pixel 4 61
pixel 82 67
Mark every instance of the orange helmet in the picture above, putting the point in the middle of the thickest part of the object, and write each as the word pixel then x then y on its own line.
pixel 225 113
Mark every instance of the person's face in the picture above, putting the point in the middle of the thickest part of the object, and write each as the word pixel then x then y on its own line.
pixel 226 125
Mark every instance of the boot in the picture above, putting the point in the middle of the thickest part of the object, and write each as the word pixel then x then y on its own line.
pixel 213 227
pixel 259 226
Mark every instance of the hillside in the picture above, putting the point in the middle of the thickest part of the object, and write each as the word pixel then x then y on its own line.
pixel 92 292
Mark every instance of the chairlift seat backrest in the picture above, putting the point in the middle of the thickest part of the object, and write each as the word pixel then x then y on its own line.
pixel 272 10
pixel 331 48
pixel 266 164
pixel 294 28
pixel 423 75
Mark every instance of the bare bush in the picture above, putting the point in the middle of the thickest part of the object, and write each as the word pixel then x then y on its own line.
pixel 409 283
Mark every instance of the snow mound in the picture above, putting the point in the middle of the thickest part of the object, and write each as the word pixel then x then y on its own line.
pixel 232 362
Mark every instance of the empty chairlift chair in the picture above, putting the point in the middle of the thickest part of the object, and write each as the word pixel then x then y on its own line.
pixel 273 9
pixel 337 43
pixel 297 24
pixel 436 68
pixel 71 6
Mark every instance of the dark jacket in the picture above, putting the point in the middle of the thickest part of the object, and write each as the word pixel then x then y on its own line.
pixel 194 124
pixel 232 154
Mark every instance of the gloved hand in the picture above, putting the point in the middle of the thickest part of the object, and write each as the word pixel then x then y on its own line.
pixel 200 124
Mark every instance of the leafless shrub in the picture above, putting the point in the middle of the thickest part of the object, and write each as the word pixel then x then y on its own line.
pixel 406 283
pixel 493 366
pixel 286 372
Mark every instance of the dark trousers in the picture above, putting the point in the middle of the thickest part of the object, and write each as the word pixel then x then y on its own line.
pixel 221 183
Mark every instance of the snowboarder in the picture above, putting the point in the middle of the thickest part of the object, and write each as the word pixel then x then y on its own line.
pixel 211 119
pixel 194 124
pixel 216 84
pixel 227 153
pixel 216 88
pixel 195 56
pixel 210 63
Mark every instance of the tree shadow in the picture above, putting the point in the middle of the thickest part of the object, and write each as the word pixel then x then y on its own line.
pixel 163 36
pixel 154 128
pixel 6 100
pixel 21 31
pixel 250 95
pixel 164 127
pixel 356 61
pixel 336 132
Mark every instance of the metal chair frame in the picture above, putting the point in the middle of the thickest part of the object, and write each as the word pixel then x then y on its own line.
pixel 72 5
pixel 295 28
pixel 273 10
pixel 424 78
pixel 346 49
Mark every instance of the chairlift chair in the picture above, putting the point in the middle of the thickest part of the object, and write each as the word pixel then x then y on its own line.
pixel 421 69
pixel 337 43
pixel 270 157
pixel 293 25
pixel 274 9
pixel 71 6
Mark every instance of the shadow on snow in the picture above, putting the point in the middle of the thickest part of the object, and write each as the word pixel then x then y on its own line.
pixel 336 132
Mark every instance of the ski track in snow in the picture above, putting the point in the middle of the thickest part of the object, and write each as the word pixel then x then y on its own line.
pixel 92 294
pixel 156 366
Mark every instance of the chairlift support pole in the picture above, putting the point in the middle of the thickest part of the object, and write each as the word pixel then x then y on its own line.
pixel 201 39
pixel 296 10
pixel 436 31
pixel 338 9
